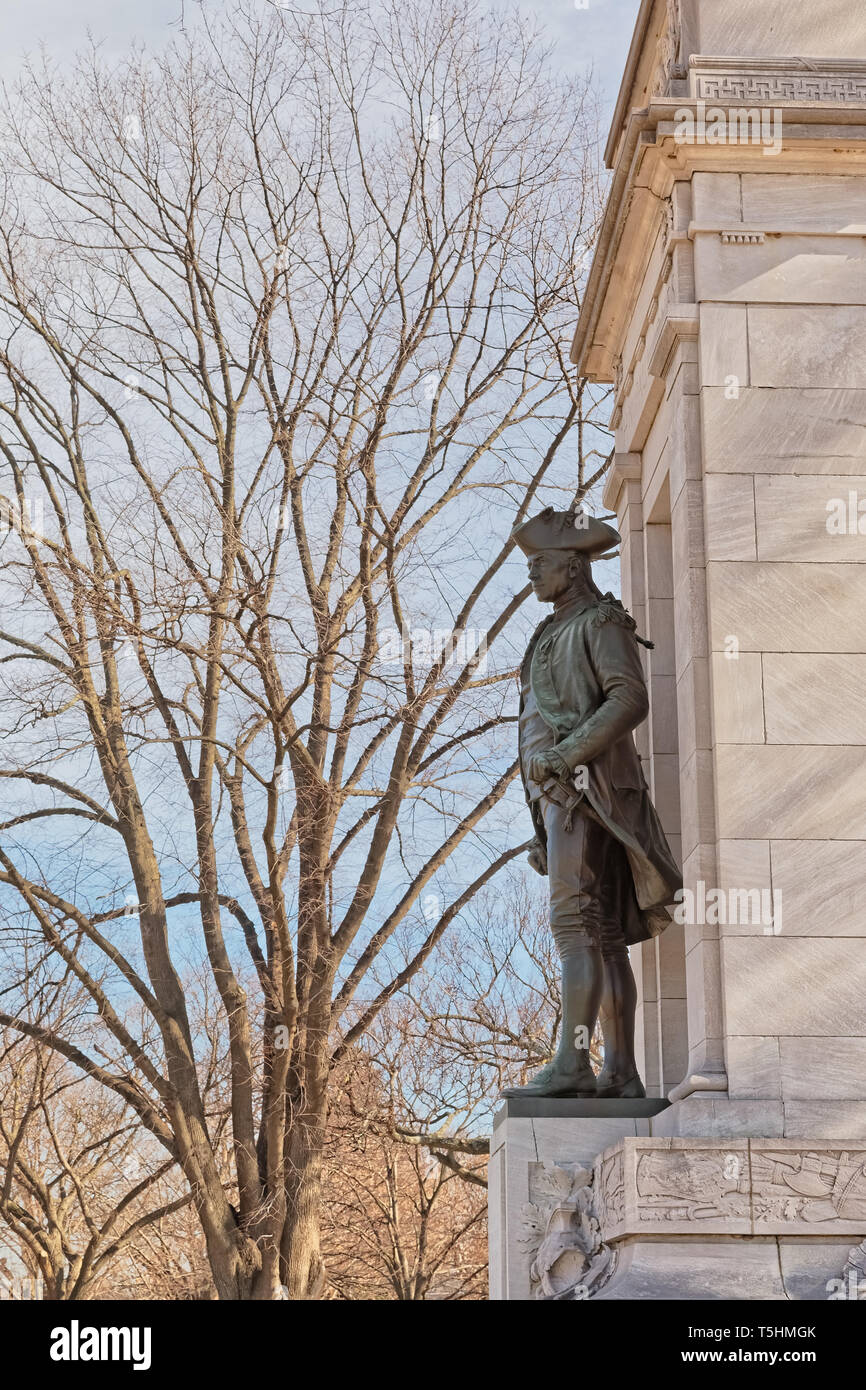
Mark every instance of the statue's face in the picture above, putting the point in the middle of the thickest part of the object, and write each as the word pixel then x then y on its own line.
pixel 550 574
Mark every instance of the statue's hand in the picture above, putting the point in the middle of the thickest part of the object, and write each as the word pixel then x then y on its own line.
pixel 547 764
pixel 538 859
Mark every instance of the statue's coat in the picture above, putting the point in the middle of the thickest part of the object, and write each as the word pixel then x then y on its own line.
pixel 590 689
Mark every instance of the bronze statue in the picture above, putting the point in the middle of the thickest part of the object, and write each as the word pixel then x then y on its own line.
pixel 599 840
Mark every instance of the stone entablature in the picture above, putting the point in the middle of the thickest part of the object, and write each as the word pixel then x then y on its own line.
pixel 770 51
pixel 818 140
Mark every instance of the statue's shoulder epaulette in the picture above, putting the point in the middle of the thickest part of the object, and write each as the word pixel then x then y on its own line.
pixel 610 610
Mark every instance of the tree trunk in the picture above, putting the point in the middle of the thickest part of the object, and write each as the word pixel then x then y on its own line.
pixel 303 1272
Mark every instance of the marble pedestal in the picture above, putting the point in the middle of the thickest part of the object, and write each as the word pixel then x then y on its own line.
pixel 589 1202
pixel 534 1137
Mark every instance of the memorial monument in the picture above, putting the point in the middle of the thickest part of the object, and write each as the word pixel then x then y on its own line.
pixel 726 303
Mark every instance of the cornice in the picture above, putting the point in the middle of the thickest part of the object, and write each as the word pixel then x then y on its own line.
pixel 815 134
pixel 636 54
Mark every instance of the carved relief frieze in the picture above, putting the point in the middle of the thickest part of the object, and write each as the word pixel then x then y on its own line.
pixel 745 1186
pixel 609 1176
pixel 667 65
pixel 699 1185
pixel 813 1186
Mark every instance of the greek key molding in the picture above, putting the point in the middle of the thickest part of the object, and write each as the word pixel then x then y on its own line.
pixel 765 82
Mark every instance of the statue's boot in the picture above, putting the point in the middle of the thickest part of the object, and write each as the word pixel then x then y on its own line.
pixel 619 1078
pixel 557 1079
pixel 612 1087
pixel 569 1073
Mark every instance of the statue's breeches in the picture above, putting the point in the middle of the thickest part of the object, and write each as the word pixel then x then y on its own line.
pixel 586 869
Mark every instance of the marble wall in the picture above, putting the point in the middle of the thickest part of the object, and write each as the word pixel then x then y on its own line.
pixel 738 489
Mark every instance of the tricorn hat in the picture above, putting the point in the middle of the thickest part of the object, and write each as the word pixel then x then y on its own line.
pixel 572 530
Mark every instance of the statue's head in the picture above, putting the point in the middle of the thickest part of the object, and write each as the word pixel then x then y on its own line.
pixel 560 548
pixel 552 573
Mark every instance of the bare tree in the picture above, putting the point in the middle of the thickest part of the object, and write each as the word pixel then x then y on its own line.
pixel 477 1019
pixel 77 1185
pixel 283 328
pixel 398 1222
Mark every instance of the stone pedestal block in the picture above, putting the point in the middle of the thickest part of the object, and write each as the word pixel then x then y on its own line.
pixel 530 1136
pixel 656 1217
pixel 705 1115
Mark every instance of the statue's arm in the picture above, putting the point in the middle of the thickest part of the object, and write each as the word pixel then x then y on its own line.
pixel 614 655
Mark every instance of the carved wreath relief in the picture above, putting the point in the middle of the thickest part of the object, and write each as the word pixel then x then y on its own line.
pixel 562 1235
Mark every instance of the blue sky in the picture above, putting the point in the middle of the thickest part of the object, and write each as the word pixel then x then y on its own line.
pixel 598 35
